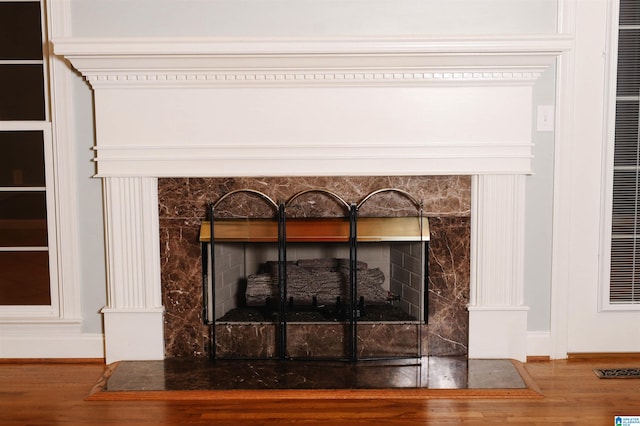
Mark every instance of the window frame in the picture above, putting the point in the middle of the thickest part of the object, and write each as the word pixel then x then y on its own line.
pixel 51 310
pixel 604 299
pixel 64 312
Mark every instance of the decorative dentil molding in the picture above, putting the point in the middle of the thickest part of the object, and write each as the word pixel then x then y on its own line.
pixel 312 61
pixel 379 77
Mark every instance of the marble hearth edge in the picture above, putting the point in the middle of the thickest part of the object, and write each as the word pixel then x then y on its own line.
pixel 447 204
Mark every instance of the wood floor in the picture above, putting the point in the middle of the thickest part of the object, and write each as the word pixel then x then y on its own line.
pixel 54 394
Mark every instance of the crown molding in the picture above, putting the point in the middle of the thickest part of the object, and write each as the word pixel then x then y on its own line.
pixel 186 62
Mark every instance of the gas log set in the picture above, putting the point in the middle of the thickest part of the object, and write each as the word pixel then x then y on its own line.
pixel 313 281
pixel 291 282
pixel 317 290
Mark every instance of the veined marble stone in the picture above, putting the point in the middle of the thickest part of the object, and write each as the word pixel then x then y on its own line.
pixel 187 198
pixel 319 340
pixel 446 201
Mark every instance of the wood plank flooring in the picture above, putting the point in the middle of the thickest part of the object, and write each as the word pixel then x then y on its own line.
pixel 55 394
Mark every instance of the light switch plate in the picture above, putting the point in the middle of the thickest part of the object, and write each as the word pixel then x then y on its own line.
pixel 545 118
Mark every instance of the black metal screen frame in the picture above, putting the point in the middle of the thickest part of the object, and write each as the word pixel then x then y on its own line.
pixel 208 254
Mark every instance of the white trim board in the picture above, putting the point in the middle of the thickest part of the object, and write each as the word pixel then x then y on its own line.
pixel 46 340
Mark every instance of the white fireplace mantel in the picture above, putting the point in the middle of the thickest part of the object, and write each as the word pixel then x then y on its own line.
pixel 194 107
pixel 330 106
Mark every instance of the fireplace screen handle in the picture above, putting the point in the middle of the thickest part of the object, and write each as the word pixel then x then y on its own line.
pixel 282 282
pixel 353 282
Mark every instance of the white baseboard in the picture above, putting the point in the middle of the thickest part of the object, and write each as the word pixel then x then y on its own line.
pixel 133 334
pixel 49 340
pixel 498 332
pixel 539 343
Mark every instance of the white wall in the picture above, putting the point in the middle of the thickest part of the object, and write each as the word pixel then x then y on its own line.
pixel 119 18
pixel 90 212
pixel 539 212
pixel 310 17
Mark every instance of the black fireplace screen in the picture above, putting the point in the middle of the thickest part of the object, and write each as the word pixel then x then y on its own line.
pixel 311 279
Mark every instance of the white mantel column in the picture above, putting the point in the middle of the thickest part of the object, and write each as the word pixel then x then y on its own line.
pixel 497 315
pixel 133 317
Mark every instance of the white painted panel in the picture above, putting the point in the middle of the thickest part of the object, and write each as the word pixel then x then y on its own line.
pixel 497 241
pixel 133 248
pixel 131 335
pixel 312 116
pixel 498 332
pixel 271 131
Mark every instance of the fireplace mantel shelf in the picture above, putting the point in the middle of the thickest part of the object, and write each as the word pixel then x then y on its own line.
pixel 311 62
pixel 369 229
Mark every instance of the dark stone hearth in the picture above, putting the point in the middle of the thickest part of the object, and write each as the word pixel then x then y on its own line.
pixel 202 375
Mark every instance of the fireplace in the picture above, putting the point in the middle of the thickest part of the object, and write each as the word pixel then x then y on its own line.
pixel 446 205
pixel 170 113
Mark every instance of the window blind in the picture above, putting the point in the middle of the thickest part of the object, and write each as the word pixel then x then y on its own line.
pixel 624 285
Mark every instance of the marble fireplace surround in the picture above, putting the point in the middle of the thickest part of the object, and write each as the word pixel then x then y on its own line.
pixel 446 203
pixel 430 106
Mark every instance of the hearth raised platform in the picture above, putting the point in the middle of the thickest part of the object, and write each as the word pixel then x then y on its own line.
pixel 432 377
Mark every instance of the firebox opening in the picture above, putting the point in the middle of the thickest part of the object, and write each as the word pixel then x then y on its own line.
pixel 282 278
pixel 390 278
